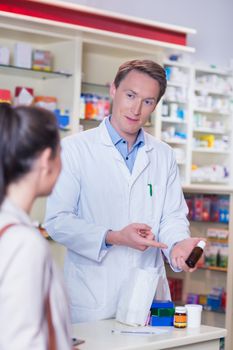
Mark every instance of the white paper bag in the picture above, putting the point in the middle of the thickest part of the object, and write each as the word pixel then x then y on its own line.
pixel 136 296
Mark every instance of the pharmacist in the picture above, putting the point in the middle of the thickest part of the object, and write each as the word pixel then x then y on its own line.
pixel 118 203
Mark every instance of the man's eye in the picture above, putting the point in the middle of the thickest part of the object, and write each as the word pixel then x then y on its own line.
pixel 129 95
pixel 148 102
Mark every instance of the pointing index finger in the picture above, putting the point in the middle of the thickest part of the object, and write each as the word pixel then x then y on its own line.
pixel 153 243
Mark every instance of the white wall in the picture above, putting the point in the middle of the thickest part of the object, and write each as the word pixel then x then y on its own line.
pixel 211 18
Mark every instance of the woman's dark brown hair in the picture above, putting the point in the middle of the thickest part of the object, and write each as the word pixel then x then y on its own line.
pixel 24 133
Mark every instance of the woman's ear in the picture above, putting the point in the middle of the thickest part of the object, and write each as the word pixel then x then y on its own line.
pixel 44 160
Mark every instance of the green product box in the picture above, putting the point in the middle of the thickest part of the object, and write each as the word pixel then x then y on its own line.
pixel 163 312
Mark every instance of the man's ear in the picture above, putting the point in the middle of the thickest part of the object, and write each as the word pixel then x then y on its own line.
pixel 112 90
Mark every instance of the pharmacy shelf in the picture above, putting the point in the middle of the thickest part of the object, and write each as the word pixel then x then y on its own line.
pixel 214 268
pixel 212 70
pixel 177 63
pixel 209 131
pixel 173 120
pixel 205 278
pixel 175 101
pixel 175 141
pixel 209 150
pixel 208 223
pixel 104 86
pixel 211 111
pixel 205 91
pixel 216 183
pixel 207 189
pixel 181 162
pixel 177 84
pixel 31 73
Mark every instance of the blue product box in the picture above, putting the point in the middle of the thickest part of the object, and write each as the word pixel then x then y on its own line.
pixel 158 304
pixel 161 321
pixel 63 118
pixel 214 302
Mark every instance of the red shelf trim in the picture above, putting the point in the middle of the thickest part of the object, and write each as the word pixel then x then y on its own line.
pixel 92 20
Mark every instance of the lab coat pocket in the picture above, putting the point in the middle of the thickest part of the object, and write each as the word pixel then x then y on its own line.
pixel 155 201
pixel 86 286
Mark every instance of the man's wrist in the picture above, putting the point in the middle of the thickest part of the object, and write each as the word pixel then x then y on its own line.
pixel 111 238
pixel 108 244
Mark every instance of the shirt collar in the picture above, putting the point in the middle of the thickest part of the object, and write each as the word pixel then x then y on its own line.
pixel 116 138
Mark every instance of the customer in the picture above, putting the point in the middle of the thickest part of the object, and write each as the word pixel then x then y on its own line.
pixel 118 203
pixel 33 305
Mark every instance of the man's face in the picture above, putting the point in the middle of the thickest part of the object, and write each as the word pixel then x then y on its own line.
pixel 133 102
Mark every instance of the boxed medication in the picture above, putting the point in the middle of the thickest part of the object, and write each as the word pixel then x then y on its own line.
pixel 23 55
pixel 23 96
pixel 4 55
pixel 42 60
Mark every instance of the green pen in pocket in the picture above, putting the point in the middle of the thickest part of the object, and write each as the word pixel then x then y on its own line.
pixel 150 189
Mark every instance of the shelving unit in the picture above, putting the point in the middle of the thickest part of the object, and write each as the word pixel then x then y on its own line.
pixel 31 73
pixel 62 82
pixel 175 113
pixel 211 126
pixel 203 279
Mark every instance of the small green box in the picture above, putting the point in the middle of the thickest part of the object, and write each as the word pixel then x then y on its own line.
pixel 163 312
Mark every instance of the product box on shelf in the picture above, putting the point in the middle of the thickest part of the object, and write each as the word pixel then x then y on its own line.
pixel 42 60
pixel 5 96
pixel 47 102
pixel 216 252
pixel 4 55
pixel 208 208
pixel 214 301
pixel 176 288
pixel 23 55
pixel 23 96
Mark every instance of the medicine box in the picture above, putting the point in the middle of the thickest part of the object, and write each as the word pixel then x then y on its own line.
pixel 161 321
pixel 42 60
pixel 162 312
pixel 23 55
pixel 162 304
pixel 4 55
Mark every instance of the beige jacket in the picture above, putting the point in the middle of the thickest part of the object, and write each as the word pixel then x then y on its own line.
pixel 27 276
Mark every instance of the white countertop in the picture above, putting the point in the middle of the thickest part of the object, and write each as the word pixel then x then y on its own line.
pixel 98 336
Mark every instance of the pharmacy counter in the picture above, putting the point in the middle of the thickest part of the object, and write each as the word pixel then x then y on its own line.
pixel 99 336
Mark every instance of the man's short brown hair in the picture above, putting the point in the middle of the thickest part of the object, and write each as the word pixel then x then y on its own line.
pixel 151 68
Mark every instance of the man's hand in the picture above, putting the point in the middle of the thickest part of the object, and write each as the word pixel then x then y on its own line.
pixel 137 236
pixel 181 251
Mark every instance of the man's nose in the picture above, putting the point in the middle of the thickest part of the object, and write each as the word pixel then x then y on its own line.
pixel 137 107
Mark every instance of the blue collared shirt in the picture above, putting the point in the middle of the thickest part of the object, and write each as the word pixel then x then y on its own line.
pixel 122 145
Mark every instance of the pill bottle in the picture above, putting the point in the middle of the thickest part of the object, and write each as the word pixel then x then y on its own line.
pixel 195 254
pixel 180 317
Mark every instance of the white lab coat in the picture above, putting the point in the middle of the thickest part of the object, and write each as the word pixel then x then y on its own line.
pixel 27 277
pixel 96 192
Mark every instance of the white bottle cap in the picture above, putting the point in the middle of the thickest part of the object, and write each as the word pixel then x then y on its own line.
pixel 180 309
pixel 201 244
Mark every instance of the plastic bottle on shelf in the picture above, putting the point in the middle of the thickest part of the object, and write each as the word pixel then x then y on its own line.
pixel 95 111
pixel 82 107
pixel 100 108
pixel 89 107
pixel 107 106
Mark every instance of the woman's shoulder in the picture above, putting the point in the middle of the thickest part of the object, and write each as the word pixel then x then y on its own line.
pixel 20 239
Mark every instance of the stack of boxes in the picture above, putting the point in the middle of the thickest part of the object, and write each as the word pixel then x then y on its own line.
pixel 162 313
